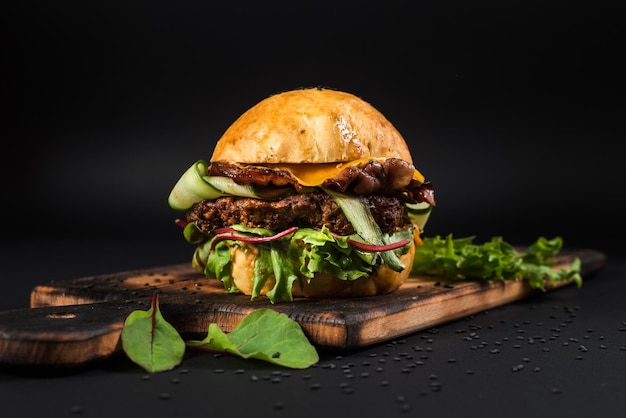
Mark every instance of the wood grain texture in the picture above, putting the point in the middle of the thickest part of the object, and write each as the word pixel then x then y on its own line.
pixel 60 336
pixel 74 322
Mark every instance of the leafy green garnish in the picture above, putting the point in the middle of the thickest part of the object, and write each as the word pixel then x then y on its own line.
pixel 266 335
pixel 155 345
pixel 297 257
pixel 150 341
pixel 460 258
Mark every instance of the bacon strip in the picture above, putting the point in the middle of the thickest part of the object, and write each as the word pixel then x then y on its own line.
pixel 393 175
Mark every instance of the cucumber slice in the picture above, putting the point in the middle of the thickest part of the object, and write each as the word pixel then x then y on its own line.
pixel 228 187
pixel 192 188
pixel 419 213
pixel 418 208
pixel 195 185
pixel 358 213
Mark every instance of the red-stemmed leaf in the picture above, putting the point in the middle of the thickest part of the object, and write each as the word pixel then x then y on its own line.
pixel 150 341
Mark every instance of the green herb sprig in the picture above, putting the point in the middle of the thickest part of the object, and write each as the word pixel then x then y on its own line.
pixel 461 259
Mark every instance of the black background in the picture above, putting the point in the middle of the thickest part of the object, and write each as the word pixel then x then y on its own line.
pixel 514 110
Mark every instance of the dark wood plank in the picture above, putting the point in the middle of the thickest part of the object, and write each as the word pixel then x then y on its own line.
pixel 61 336
pixel 77 321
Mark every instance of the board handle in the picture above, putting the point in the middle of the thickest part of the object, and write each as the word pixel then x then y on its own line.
pixel 61 336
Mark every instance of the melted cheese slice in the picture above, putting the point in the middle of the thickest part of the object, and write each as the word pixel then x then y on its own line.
pixel 313 175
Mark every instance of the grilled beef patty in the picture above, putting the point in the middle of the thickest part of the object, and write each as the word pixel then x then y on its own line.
pixel 301 210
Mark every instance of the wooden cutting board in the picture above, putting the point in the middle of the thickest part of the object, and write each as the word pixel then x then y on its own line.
pixel 75 322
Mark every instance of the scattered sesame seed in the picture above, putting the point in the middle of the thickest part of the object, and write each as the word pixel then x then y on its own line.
pixel 76 409
pixel 518 368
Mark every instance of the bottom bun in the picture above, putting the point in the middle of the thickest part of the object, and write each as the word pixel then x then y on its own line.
pixel 323 285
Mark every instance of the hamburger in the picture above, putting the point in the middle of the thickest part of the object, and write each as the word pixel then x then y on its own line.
pixel 310 193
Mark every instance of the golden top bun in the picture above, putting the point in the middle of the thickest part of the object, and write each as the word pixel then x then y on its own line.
pixel 382 281
pixel 310 126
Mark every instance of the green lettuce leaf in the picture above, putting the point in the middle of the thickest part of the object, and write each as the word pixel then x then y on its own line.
pixel 266 335
pixel 285 270
pixel 298 256
pixel 460 258
pixel 150 341
pixel 216 263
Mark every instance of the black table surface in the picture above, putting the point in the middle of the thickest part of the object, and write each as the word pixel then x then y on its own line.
pixel 562 352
